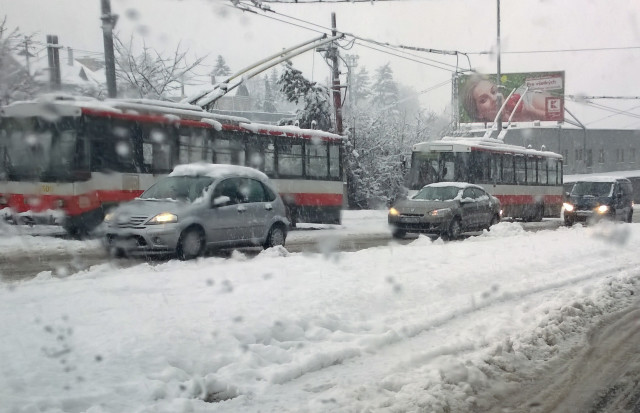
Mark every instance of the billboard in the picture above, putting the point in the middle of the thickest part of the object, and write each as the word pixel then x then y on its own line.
pixel 536 96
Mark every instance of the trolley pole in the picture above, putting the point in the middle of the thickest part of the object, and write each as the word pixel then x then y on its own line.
pixel 335 76
pixel 108 23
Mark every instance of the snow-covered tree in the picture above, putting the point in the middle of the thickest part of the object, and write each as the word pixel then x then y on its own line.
pixel 360 85
pixel 149 74
pixel 220 70
pixel 16 83
pixel 381 131
pixel 269 98
pixel 315 97
pixel 384 88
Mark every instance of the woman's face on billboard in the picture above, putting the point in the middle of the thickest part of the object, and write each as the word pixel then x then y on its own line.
pixel 485 98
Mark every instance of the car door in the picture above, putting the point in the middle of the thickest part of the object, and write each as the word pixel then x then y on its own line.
pixel 259 211
pixel 227 223
pixel 483 203
pixel 469 209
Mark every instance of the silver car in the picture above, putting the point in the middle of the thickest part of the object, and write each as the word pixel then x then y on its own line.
pixel 197 207
pixel 445 209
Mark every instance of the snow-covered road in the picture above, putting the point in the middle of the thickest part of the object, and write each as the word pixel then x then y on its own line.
pixel 430 326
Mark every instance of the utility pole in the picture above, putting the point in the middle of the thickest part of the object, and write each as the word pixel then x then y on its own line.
pixel 352 63
pixel 109 21
pixel 27 54
pixel 55 79
pixel 335 75
pixel 499 75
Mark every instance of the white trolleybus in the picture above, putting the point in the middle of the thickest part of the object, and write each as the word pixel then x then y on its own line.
pixel 527 182
pixel 67 160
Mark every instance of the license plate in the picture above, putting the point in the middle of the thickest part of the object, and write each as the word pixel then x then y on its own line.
pixel 125 243
pixel 410 220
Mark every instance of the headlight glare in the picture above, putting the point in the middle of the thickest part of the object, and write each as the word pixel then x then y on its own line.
pixel 163 218
pixel 567 207
pixel 393 211
pixel 603 209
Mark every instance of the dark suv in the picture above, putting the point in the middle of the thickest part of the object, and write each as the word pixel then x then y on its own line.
pixel 597 198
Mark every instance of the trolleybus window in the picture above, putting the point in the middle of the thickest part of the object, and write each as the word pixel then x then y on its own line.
pixel 290 159
pixel 521 170
pixel 316 158
pixel 334 161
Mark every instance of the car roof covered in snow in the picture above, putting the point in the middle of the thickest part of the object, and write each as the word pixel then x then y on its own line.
pixel 461 185
pixel 601 178
pixel 217 171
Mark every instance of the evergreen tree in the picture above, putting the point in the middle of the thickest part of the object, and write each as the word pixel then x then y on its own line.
pixel 385 89
pixel 315 98
pixel 220 70
pixel 361 85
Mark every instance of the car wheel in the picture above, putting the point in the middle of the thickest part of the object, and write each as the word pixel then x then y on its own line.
pixel 455 229
pixel 276 237
pixel 398 233
pixel 630 216
pixel 190 244
pixel 568 222
pixel 494 220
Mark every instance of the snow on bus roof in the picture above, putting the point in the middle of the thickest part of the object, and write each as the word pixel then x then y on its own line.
pixel 485 143
pixel 216 170
pixel 289 129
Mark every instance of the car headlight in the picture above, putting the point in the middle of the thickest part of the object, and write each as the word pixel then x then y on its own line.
pixel 393 211
pixel 440 212
pixel 164 218
pixel 602 209
pixel 108 217
pixel 567 207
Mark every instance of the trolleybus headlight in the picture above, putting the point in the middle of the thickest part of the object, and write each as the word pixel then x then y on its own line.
pixel 3 200
pixel 603 209
pixel 567 207
pixel 59 203
pixel 164 218
pixel 440 212
pixel 393 211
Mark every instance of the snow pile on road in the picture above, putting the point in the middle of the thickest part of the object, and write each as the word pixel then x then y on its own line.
pixel 428 326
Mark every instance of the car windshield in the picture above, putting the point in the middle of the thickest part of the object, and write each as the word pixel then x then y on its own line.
pixel 592 188
pixel 437 193
pixel 181 188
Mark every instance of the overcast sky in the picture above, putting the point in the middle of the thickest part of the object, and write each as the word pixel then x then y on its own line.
pixel 213 27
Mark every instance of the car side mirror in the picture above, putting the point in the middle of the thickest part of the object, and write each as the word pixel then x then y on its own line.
pixel 222 200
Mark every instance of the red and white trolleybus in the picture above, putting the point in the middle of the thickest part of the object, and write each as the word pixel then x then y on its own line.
pixel 527 182
pixel 67 159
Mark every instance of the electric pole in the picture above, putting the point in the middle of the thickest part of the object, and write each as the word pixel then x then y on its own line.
pixel 499 75
pixel 335 75
pixel 53 56
pixel 109 21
